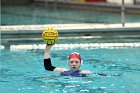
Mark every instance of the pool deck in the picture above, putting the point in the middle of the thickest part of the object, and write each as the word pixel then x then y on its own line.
pixel 71 29
pixel 32 33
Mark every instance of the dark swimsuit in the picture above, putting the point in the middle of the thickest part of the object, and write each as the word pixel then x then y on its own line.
pixel 48 66
pixel 73 74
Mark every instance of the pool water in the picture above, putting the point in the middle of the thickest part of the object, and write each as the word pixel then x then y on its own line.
pixel 22 70
pixel 31 15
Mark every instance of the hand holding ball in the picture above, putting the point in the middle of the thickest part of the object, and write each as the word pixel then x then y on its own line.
pixel 50 36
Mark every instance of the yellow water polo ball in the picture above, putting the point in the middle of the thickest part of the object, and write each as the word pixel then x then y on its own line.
pixel 50 36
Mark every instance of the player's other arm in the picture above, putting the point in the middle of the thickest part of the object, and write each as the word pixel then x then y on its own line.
pixel 47 61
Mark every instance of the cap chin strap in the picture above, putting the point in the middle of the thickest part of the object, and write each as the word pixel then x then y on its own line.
pixel 81 62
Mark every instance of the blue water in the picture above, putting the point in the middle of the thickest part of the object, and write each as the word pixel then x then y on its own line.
pixel 28 15
pixel 22 71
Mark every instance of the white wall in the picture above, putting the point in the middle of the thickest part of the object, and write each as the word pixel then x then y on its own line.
pixel 120 1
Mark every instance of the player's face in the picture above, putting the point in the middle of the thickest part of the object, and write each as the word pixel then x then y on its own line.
pixel 74 64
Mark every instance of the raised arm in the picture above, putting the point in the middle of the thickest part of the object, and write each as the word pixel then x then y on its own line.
pixel 47 61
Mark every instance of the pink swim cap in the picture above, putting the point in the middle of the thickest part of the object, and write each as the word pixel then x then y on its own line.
pixel 75 55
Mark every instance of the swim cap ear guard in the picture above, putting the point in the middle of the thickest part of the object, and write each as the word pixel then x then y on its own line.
pixel 81 62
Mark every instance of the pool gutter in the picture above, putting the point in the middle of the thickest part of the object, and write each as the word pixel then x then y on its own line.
pixel 66 30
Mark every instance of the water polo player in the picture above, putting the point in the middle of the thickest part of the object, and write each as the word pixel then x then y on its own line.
pixel 74 61
pixel 50 37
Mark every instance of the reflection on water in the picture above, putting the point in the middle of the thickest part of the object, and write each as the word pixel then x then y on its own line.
pixel 19 15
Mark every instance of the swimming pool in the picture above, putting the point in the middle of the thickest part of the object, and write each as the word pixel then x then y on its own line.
pixel 31 15
pixel 22 68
